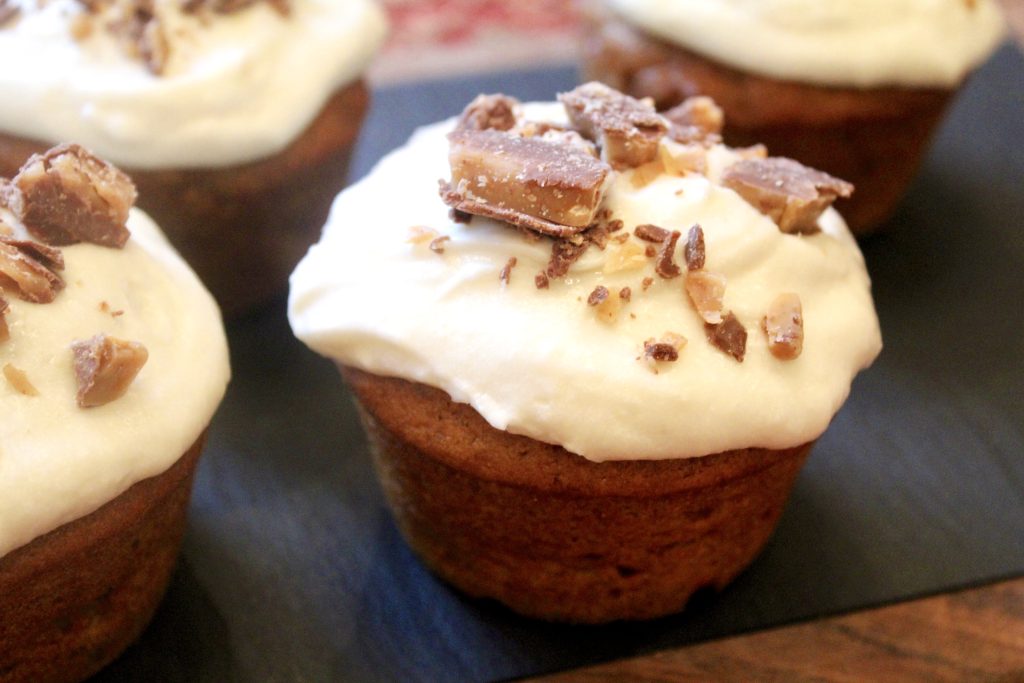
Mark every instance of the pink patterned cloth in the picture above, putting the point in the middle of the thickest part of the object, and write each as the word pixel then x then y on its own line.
pixel 435 38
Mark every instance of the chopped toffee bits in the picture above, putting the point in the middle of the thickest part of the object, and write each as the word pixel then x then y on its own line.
pixel 789 193
pixel 650 251
pixel 784 326
pixel 105 367
pixel 696 119
pixel 664 351
pixel 627 255
pixel 421 234
pixel 69 196
pixel 599 295
pixel 625 293
pixel 490 112
pixel 541 281
pixel 437 244
pixel 19 381
pixel 694 252
pixel 459 216
pixel 729 336
pixel 506 271
pixel 626 129
pixel 706 291
pixel 666 266
pixel 531 183
pixel 27 269
pixel 563 254
pixel 651 233
pixel 5 333
pixel 646 283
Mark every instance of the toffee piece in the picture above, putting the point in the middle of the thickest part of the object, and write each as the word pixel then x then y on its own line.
pixel 105 367
pixel 626 129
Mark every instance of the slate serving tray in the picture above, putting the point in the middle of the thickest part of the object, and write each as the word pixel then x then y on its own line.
pixel 293 570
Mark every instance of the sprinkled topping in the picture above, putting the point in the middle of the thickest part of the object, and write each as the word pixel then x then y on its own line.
pixel 563 254
pixel 651 233
pixel 541 281
pixel 28 269
pixel 729 336
pixel 437 244
pixel 5 333
pixel 597 296
pixel 625 293
pixel 706 291
pixel 105 367
pixel 789 193
pixel 646 283
pixel 506 272
pixel 490 112
pixel 664 351
pixel 696 119
pixel 784 326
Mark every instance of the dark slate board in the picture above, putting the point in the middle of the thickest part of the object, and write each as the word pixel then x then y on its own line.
pixel 293 570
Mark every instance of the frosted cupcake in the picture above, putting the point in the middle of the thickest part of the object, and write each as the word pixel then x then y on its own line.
pixel 235 119
pixel 112 362
pixel 591 368
pixel 855 89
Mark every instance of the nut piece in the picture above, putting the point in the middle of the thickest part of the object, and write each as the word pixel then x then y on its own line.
pixel 105 368
pixel 786 191
pixel 27 268
pixel 696 119
pixel 626 129
pixel 489 112
pixel 19 381
pixel 529 182
pixel 728 336
pixel 706 291
pixel 69 196
pixel 784 326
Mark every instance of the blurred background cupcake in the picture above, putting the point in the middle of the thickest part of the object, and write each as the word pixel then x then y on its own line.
pixel 855 89
pixel 235 119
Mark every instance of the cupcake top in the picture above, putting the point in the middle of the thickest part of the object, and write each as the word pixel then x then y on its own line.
pixel 178 83
pixel 869 43
pixel 112 355
pixel 598 276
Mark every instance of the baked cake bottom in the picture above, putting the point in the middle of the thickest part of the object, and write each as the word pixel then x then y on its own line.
pixel 72 600
pixel 553 535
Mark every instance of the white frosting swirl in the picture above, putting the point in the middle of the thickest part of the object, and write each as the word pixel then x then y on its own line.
pixel 539 362
pixel 59 462
pixel 238 87
pixel 868 43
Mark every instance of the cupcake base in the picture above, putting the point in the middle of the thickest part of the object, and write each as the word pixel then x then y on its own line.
pixel 71 601
pixel 553 535
pixel 243 228
pixel 874 138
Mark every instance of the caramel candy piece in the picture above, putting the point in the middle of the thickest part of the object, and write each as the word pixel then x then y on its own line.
pixel 626 129
pixel 563 254
pixel 19 380
pixel 69 196
pixel 695 251
pixel 549 188
pixel 706 291
pixel 729 336
pixel 696 119
pixel 789 193
pixel 664 351
pixel 5 333
pixel 31 279
pixel 666 266
pixel 651 233
pixel 105 367
pixel 784 326
pixel 490 112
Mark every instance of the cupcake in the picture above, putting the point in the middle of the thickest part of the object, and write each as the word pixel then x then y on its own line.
pixel 852 88
pixel 113 361
pixel 590 370
pixel 236 120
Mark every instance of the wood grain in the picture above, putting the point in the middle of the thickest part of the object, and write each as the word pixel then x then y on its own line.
pixel 975 634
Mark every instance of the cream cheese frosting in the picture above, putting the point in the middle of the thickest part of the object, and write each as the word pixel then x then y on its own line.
pixel 237 87
pixel 540 362
pixel 924 43
pixel 59 462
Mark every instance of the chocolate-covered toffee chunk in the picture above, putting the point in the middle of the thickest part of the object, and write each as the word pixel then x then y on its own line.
pixel 694 251
pixel 27 269
pixel 729 336
pixel 68 195
pixel 784 326
pixel 666 266
pixel 105 367
pixel 789 193
pixel 534 184
pixel 490 112
pixel 626 129
pixel 696 119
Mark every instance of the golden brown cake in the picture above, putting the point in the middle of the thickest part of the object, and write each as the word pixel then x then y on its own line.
pixel 237 131
pixel 860 98
pixel 581 364
pixel 112 362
